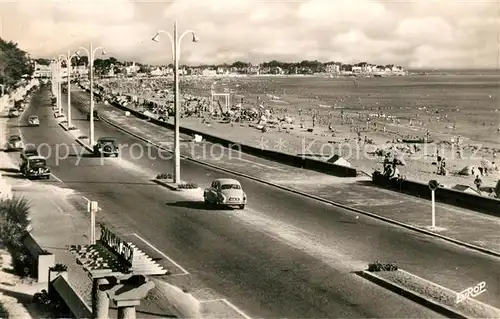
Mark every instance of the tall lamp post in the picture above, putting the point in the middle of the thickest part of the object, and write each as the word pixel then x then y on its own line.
pixel 56 87
pixel 3 89
pixel 176 45
pixel 91 55
pixel 59 90
pixel 68 58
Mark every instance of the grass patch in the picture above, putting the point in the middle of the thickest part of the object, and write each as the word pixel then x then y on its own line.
pixel 188 186
pixel 14 221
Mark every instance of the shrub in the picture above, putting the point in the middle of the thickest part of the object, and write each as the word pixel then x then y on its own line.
pixel 378 266
pixel 13 224
pixel 164 176
pixel 188 186
pixel 51 305
pixel 59 268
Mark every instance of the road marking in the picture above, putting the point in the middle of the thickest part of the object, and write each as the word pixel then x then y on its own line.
pixel 57 178
pixel 185 272
pixel 227 302
pixel 88 200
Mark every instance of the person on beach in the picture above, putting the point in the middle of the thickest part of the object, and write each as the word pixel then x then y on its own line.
pixel 478 182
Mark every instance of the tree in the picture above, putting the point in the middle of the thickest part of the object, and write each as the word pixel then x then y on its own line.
pixel 14 63
pixel 240 65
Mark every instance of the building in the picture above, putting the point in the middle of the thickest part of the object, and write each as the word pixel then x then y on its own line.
pixel 208 72
pixel 357 69
pixel 42 71
pixel 156 72
pixel 131 69
pixel 333 68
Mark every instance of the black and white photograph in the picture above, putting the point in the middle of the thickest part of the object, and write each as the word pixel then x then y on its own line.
pixel 240 159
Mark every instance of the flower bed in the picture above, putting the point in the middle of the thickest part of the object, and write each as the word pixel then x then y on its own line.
pixel 440 294
pixel 188 186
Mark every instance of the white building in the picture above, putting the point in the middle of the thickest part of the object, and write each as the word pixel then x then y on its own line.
pixel 357 69
pixel 42 71
pixel 333 68
pixel 156 72
pixel 207 72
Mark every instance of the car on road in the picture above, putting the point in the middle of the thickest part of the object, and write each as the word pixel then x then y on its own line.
pixel 36 167
pixel 25 154
pixel 225 192
pixel 13 112
pixel 15 143
pixel 33 120
pixel 96 116
pixel 106 146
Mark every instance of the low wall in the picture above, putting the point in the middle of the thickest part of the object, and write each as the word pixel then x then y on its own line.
pixel 61 290
pixel 43 259
pixel 287 159
pixel 482 204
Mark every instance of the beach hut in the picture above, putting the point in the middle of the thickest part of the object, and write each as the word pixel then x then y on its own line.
pixel 338 160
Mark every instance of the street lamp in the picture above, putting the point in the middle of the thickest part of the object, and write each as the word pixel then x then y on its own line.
pixel 91 55
pixel 68 58
pixel 56 86
pixel 176 44
pixel 3 89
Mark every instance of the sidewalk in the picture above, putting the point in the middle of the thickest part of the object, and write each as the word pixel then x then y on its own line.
pixel 56 218
pixel 460 224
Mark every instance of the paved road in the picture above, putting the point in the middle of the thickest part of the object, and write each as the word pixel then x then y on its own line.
pixel 284 256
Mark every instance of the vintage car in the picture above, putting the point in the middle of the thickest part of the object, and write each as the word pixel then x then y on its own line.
pixel 33 120
pixel 13 112
pixel 25 154
pixel 15 143
pixel 226 192
pixel 106 146
pixel 96 116
pixel 36 167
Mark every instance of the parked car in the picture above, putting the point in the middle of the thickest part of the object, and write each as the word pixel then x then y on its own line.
pixel 36 167
pixel 13 112
pixel 33 120
pixel 106 146
pixel 226 192
pixel 15 143
pixel 96 116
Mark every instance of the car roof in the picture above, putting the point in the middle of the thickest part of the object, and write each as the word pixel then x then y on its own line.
pixel 106 139
pixel 33 116
pixel 14 137
pixel 36 157
pixel 224 181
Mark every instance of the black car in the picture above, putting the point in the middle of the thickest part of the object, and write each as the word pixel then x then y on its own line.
pixel 96 116
pixel 106 146
pixel 35 167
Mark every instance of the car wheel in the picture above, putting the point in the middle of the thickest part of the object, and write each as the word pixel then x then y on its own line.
pixel 242 206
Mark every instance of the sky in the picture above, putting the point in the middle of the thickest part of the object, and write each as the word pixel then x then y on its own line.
pixel 414 34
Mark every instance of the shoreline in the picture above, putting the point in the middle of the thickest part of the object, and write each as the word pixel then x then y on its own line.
pixel 420 164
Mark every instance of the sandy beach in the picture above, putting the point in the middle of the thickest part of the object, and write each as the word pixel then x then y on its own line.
pixel 360 119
